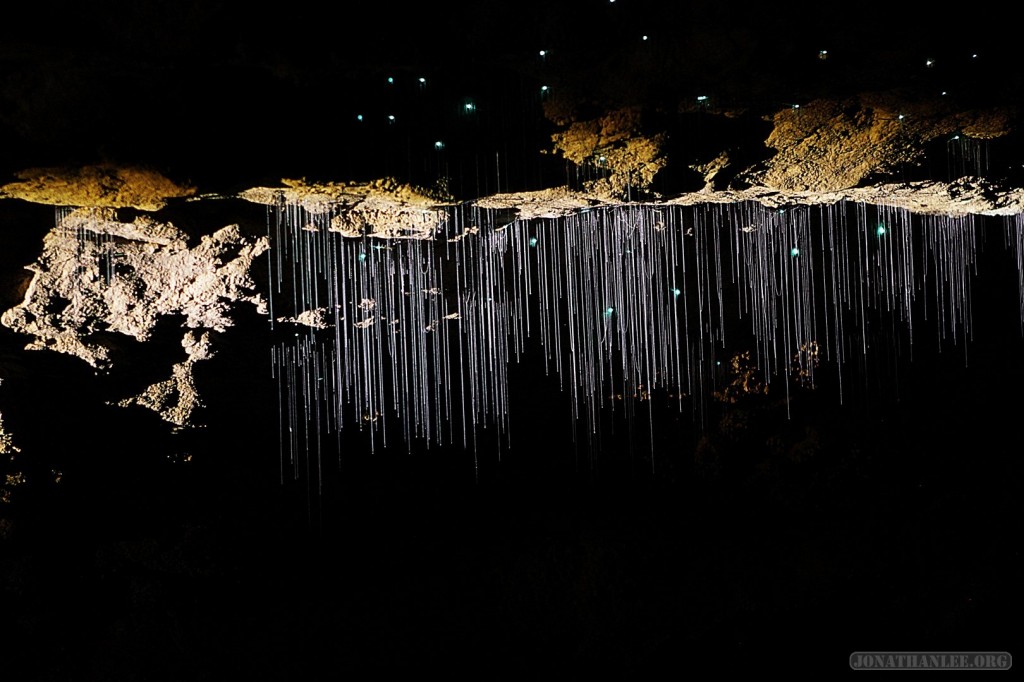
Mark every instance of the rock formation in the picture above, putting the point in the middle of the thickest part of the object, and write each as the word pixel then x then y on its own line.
pixel 101 186
pixel 595 333
pixel 97 276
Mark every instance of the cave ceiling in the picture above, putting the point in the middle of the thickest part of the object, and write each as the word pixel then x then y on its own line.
pixel 165 137
pixel 619 100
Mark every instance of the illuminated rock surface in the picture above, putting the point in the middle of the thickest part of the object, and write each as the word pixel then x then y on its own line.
pixel 176 399
pixel 621 335
pixel 96 274
pixel 105 186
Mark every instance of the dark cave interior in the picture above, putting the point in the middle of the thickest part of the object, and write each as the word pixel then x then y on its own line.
pixel 164 555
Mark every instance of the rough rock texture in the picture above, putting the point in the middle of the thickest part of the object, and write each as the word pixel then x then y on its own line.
pixel 6 440
pixel 176 399
pixel 830 145
pixel 318 318
pixel 549 203
pixel 964 196
pixel 377 217
pixel 576 547
pixel 711 169
pixel 383 208
pixel 102 186
pixel 97 277
pixel 615 146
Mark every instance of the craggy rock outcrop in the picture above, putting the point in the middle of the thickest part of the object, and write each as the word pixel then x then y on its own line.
pixel 383 208
pixel 968 195
pixel 614 145
pixel 176 399
pixel 97 276
pixel 317 318
pixel 548 203
pixel 104 186
pixel 962 197
pixel 831 145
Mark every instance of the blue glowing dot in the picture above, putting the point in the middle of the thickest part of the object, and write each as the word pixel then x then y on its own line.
pixel 702 98
pixel 794 252
pixel 359 117
pixel 362 257
pixel 718 362
pixel 644 38
pixel 423 81
pixel 534 241
pixel 880 231
pixel 543 53
pixel 470 106
pixel 544 88
pixel 439 145
pixel 391 118
pixel 608 312
pixel 391 80
pixel 676 292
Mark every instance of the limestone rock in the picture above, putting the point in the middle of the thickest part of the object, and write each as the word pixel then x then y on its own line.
pixel 98 277
pixel 383 208
pixel 615 145
pixel 176 399
pixel 317 318
pixel 829 145
pixel 101 186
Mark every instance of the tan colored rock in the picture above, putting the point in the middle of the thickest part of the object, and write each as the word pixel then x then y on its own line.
pixel 614 144
pixel 176 399
pixel 963 197
pixel 556 202
pixel 831 145
pixel 388 219
pixel 383 208
pixel 712 169
pixel 103 186
pixel 318 318
pixel 97 276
